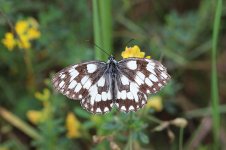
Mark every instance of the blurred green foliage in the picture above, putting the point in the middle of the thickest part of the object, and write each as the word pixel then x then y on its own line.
pixel 179 33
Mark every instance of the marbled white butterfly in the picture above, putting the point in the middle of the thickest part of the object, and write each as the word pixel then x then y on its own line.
pixel 123 84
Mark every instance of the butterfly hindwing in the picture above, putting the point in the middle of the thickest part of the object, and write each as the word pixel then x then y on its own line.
pixel 99 99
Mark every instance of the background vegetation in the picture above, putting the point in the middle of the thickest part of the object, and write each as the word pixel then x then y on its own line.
pixel 39 38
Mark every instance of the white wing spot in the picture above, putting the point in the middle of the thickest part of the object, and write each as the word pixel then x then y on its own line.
pixel 123 94
pixel 134 89
pixel 106 109
pixel 93 92
pixel 87 84
pixel 98 98
pixel 148 91
pixel 104 96
pixel 74 73
pixel 80 96
pixel 62 76
pixel 148 82
pixel 91 68
pixel 131 108
pixel 152 71
pixel 153 78
pixel 164 75
pixel 150 67
pixel 141 75
pixel 61 84
pixel 98 110
pixel 143 102
pixel 109 95
pixel 138 80
pixel 160 68
pixel 123 108
pixel 125 80
pixel 101 82
pixel 160 85
pixel 84 79
pixel 132 65
pixel 78 87
pixel 72 84
pixel 129 95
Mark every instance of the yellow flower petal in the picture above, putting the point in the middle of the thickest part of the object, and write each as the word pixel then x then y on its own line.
pixel 33 34
pixel 34 116
pixel 133 52
pixel 9 41
pixel 21 27
pixel 23 42
pixel 73 126
pixel 155 102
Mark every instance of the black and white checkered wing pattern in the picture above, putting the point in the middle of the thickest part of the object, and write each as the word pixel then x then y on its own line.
pixel 136 78
pixel 86 82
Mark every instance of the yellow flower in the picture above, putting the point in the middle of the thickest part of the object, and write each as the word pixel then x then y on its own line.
pixel 26 31
pixel 21 27
pixel 46 112
pixel 155 102
pixel 23 42
pixel 33 33
pixel 133 52
pixel 34 116
pixel 9 41
pixel 73 125
pixel 43 96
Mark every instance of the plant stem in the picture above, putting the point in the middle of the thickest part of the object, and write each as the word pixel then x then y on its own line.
pixel 97 28
pixel 102 23
pixel 130 134
pixel 214 80
pixel 17 122
pixel 181 138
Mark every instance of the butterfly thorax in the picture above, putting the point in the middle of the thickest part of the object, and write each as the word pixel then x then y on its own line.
pixel 111 66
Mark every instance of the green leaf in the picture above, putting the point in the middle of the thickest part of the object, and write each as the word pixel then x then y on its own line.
pixel 82 113
pixel 143 138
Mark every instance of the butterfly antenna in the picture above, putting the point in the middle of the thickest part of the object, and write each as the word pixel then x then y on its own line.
pixel 129 41
pixel 101 49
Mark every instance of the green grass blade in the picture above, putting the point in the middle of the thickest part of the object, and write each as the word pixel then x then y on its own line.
pixel 102 22
pixel 97 29
pixel 106 20
pixel 214 80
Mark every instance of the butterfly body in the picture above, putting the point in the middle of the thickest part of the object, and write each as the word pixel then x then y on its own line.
pixel 123 84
